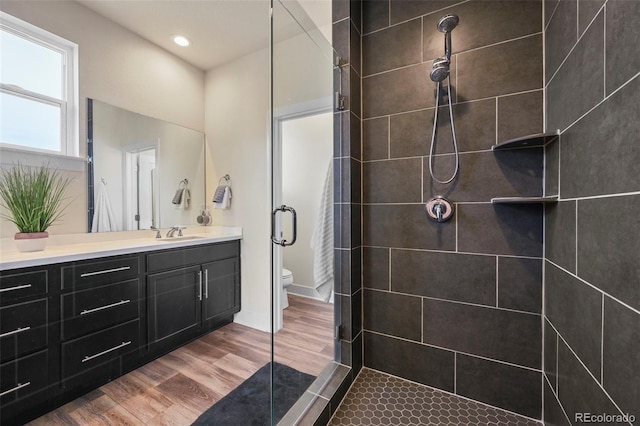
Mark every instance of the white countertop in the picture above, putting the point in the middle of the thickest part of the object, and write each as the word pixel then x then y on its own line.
pixel 71 247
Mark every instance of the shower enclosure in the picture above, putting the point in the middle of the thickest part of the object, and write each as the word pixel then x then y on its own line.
pixel 302 73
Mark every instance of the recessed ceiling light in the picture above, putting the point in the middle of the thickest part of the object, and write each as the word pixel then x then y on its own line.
pixel 181 40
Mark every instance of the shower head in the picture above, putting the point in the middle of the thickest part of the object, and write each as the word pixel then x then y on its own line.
pixel 440 70
pixel 447 23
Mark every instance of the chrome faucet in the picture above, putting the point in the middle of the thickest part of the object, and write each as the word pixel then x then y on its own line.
pixel 173 230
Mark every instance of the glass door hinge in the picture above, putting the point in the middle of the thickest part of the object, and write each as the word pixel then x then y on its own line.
pixel 339 101
pixel 339 332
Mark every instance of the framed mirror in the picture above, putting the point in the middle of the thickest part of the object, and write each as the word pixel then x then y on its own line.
pixel 144 173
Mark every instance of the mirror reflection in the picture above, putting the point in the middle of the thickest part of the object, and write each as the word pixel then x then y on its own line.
pixel 145 173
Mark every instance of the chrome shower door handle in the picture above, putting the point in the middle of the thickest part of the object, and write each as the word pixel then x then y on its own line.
pixel 294 217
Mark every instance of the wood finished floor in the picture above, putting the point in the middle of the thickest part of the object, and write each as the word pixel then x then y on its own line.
pixel 176 388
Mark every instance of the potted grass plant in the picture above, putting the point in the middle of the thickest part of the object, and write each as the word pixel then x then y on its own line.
pixel 34 199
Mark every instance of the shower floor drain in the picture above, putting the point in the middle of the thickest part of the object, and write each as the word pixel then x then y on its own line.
pixel 377 398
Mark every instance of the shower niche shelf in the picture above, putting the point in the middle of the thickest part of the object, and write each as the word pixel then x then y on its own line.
pixel 525 200
pixel 539 140
pixel 531 141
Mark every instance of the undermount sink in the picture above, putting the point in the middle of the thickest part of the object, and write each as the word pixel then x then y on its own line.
pixel 183 238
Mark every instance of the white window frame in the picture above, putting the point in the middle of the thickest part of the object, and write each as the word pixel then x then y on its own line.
pixel 69 105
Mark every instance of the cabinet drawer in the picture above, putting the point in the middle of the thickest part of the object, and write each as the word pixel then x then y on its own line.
pixel 90 351
pixel 23 377
pixel 86 311
pixel 179 258
pixel 23 328
pixel 100 271
pixel 28 284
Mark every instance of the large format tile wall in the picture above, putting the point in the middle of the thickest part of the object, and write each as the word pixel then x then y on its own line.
pixel 592 240
pixel 455 305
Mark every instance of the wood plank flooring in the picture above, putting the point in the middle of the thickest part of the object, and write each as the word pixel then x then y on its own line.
pixel 176 388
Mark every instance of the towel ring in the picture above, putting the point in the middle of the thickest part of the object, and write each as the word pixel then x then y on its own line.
pixel 226 178
pixel 184 182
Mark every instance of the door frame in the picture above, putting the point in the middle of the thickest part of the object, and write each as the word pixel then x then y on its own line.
pixel 280 115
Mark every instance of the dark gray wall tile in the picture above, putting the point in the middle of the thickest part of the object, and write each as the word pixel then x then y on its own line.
pixel 579 83
pixel 550 354
pixel 623 32
pixel 355 43
pixel 552 168
pixel 577 391
pixel 356 138
pixel 395 314
pixel 401 90
pixel 341 134
pixel 393 47
pixel 553 414
pixel 355 180
pixel 561 35
pixel 356 13
pixel 505 386
pixel 549 9
pixel 356 314
pixel 347 232
pixel 450 276
pixel 413 361
pixel 341 40
pixel 560 234
pixel 489 332
pixel 347 265
pixel 339 9
pixel 485 175
pixel 575 310
pixel 520 284
pixel 403 10
pixel 474 123
pixel 392 181
pixel 345 180
pixel 354 101
pixel 343 307
pixel 356 225
pixel 621 355
pixel 587 10
pixel 599 154
pixel 375 139
pixel 356 269
pixel 500 229
pixel 375 268
pixel 520 115
pixel 514 66
pixel 406 226
pixel 375 15
pixel 482 23
pixel 356 354
pixel 608 249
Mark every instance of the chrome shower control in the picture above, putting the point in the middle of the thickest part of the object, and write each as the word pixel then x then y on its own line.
pixel 439 209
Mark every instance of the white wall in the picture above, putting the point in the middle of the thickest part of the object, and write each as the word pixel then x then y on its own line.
pixel 307 151
pixel 119 68
pixel 237 117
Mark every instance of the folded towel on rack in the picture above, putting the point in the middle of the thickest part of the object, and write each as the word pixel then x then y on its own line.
pixel 219 194
pixel 177 199
pixel 184 199
pixel 226 200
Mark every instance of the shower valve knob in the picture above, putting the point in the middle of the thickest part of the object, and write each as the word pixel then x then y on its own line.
pixel 439 209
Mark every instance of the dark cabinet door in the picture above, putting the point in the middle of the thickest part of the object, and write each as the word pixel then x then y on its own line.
pixel 174 299
pixel 221 297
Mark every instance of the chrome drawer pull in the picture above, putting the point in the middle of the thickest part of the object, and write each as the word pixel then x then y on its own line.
pixel 200 285
pixel 90 311
pixel 20 386
pixel 106 271
pixel 16 331
pixel 18 287
pixel 121 345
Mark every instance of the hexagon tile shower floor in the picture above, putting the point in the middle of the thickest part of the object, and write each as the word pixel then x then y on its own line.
pixel 377 398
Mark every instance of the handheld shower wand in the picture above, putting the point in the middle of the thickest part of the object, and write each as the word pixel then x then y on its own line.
pixel 439 73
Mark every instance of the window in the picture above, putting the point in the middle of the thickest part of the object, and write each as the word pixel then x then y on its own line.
pixel 38 89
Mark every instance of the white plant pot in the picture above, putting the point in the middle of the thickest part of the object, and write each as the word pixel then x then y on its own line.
pixel 27 242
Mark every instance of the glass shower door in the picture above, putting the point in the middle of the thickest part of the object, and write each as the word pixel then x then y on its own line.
pixel 302 141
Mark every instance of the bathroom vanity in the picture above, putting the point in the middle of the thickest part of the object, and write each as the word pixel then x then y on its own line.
pixel 73 319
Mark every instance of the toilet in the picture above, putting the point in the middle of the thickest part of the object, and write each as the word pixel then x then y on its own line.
pixel 287 280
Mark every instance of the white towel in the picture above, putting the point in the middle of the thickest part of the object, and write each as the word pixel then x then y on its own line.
pixel 104 219
pixel 184 199
pixel 225 204
pixel 322 240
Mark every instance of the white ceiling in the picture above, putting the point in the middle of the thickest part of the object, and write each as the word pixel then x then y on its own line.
pixel 220 30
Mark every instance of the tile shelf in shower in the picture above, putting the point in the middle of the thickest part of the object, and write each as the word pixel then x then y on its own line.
pixel 524 200
pixel 531 141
